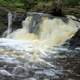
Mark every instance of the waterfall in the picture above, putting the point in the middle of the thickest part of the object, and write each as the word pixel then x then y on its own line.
pixel 9 29
pixel 48 31
pixel 38 50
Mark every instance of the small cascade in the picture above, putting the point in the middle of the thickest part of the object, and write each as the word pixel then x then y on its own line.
pixel 9 29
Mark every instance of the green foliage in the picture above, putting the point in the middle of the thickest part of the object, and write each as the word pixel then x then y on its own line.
pixel 72 2
pixel 35 4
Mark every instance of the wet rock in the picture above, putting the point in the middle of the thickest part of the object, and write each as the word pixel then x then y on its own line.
pixel 20 72
pixel 75 40
pixel 18 17
pixel 5 73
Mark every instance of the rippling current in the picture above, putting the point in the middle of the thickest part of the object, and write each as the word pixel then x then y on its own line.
pixel 59 63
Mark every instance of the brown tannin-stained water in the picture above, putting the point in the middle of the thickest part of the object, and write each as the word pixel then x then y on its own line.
pixel 37 51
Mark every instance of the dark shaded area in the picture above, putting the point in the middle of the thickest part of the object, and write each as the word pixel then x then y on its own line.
pixel 71 68
pixel 3 20
pixel 75 40
pixel 57 8
pixel 18 17
pixel 57 12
